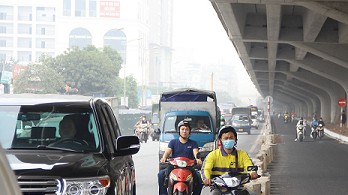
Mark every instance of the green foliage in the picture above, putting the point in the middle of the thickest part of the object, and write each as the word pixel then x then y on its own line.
pixel 90 70
pixel 38 78
pixel 131 92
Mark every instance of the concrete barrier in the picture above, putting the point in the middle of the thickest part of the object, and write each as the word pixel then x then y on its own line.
pixel 263 159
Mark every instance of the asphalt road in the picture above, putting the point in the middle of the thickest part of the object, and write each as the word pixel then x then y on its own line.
pixel 146 161
pixel 308 167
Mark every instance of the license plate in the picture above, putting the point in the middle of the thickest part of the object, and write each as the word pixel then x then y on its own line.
pixel 240 130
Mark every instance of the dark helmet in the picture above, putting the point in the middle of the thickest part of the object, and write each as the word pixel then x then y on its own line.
pixel 301 118
pixel 226 129
pixel 184 123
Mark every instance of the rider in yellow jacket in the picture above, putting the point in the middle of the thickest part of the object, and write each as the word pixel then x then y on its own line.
pixel 227 158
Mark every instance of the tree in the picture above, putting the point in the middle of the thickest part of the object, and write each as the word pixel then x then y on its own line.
pixel 132 92
pixel 39 78
pixel 90 70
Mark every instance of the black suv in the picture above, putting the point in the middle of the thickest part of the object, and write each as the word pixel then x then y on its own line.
pixel 94 159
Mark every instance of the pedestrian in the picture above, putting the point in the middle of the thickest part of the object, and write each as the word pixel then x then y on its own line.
pixel 343 118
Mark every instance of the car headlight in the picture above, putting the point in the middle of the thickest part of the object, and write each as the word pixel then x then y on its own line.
pixel 87 186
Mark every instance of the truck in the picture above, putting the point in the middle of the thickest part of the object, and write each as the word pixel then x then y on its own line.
pixel 195 106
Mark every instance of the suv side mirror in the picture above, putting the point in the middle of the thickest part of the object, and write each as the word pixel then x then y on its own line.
pixel 127 145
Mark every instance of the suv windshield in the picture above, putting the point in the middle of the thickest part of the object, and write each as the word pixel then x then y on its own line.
pixel 49 126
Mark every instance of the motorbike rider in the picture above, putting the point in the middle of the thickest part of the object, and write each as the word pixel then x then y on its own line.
pixel 141 121
pixel 222 121
pixel 314 125
pixel 299 124
pixel 286 116
pixel 181 147
pixel 321 121
pixel 227 158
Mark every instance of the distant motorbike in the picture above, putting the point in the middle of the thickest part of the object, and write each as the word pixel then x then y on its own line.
pixel 314 133
pixel 180 181
pixel 155 134
pixel 232 183
pixel 286 119
pixel 142 133
pixel 299 130
pixel 320 130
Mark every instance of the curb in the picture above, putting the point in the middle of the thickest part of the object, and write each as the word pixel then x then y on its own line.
pixel 336 135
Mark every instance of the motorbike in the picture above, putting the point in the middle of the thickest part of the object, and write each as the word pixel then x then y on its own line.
pixel 299 130
pixel 320 130
pixel 180 180
pixel 155 134
pixel 232 183
pixel 142 133
pixel 314 133
pixel 286 119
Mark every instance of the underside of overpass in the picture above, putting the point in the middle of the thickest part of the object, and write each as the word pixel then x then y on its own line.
pixel 293 50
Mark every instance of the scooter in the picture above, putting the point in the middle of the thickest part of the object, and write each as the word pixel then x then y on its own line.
pixel 320 130
pixel 142 133
pixel 314 133
pixel 299 130
pixel 180 181
pixel 232 183
pixel 286 119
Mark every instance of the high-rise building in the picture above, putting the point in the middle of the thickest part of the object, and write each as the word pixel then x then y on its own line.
pixel 139 30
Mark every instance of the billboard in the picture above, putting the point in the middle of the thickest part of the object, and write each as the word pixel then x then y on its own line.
pixel 109 9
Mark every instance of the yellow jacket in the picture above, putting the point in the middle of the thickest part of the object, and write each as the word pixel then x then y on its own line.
pixel 218 162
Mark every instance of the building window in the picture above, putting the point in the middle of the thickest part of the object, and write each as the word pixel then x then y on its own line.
pixel 3 16
pixel 80 37
pixel 80 8
pixel 43 31
pixel 2 43
pixel 43 44
pixel 92 8
pixel 67 8
pixel 2 29
pixel 2 56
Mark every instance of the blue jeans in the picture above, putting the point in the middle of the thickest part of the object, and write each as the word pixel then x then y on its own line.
pixel 163 191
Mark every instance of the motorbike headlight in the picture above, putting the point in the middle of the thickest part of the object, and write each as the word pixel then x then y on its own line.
pixel 87 186
pixel 207 147
pixel 232 182
pixel 181 163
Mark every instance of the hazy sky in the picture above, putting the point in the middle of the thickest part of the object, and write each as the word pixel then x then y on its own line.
pixel 198 33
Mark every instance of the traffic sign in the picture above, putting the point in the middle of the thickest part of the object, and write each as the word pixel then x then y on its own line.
pixel 269 99
pixel 342 102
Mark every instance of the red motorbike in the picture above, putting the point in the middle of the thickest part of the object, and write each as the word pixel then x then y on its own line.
pixel 180 181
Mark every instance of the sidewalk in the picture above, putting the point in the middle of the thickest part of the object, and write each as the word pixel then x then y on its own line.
pixel 336 132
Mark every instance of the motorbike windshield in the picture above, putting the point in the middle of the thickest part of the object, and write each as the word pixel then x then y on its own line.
pixel 199 124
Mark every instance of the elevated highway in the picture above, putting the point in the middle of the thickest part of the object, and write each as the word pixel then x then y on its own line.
pixel 293 50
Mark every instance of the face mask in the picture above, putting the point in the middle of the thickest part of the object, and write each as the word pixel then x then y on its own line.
pixel 228 144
